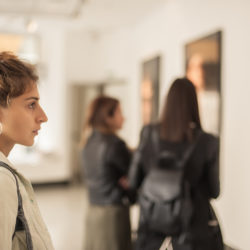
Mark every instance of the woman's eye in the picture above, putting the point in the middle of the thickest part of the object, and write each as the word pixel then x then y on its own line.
pixel 32 105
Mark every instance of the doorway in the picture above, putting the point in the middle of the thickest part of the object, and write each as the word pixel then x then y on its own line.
pixel 80 98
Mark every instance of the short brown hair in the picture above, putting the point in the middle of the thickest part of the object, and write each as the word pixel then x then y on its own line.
pixel 101 108
pixel 15 77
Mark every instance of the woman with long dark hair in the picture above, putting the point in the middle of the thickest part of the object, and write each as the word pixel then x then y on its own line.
pixel 106 160
pixel 178 128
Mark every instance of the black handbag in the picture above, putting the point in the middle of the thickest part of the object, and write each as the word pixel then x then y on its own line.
pixel 215 229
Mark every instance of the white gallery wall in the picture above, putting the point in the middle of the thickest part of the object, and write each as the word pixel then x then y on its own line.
pixel 164 32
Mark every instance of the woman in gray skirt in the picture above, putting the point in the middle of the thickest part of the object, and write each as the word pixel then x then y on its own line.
pixel 105 165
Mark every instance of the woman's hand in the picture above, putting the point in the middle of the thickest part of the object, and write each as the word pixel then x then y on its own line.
pixel 123 182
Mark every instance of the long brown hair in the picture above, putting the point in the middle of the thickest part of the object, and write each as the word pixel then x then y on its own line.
pixel 15 77
pixel 180 112
pixel 99 110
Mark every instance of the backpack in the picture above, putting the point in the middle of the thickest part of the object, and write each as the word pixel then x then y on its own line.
pixel 21 221
pixel 165 199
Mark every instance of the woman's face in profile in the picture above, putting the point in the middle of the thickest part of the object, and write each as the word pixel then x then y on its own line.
pixel 116 121
pixel 22 119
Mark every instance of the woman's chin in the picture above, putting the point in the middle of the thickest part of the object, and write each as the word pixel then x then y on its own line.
pixel 28 143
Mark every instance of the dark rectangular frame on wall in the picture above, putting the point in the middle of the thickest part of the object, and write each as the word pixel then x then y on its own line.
pixel 150 88
pixel 203 68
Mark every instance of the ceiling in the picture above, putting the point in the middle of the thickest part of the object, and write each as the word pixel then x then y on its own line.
pixel 41 7
pixel 96 15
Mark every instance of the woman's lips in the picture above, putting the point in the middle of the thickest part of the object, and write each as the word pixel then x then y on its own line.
pixel 35 132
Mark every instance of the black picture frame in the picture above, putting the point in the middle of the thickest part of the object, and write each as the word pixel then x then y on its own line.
pixel 203 68
pixel 150 87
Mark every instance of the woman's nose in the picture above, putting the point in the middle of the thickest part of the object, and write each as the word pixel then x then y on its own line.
pixel 43 117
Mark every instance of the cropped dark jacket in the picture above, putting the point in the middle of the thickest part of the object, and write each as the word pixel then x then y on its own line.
pixel 106 159
pixel 202 171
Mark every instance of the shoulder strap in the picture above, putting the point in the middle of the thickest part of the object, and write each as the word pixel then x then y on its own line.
pixel 187 153
pixel 156 139
pixel 20 214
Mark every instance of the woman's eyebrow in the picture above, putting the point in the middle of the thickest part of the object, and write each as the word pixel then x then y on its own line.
pixel 32 98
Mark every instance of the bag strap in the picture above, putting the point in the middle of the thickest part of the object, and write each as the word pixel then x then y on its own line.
pixel 21 221
pixel 187 153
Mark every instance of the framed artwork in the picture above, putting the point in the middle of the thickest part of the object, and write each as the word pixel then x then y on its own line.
pixel 150 85
pixel 203 68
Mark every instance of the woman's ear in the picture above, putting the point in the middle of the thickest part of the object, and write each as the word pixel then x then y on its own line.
pixel 3 111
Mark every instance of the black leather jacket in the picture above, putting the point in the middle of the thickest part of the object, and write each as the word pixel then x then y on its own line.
pixel 106 159
pixel 202 168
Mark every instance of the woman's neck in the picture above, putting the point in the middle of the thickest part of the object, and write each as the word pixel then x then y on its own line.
pixel 107 131
pixel 5 146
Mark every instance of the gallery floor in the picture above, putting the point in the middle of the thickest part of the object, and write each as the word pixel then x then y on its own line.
pixel 63 209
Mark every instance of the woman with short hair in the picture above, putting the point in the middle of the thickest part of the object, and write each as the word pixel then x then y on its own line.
pixel 21 116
